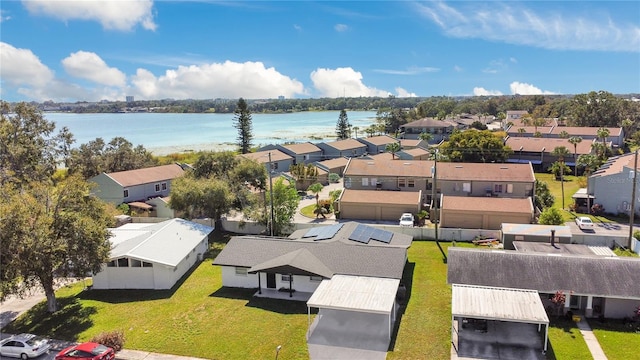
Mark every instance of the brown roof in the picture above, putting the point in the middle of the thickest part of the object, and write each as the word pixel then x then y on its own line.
pixel 530 144
pixel 410 143
pixel 334 163
pixel 615 165
pixel 346 144
pixel 429 123
pixel 416 152
pixel 302 148
pixel 485 172
pixel 140 205
pixel 146 175
pixel 529 130
pixel 263 156
pixel 487 204
pixel 380 197
pixel 585 131
pixel 388 167
pixel 380 140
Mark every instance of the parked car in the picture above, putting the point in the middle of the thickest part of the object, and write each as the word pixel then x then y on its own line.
pixel 584 223
pixel 87 351
pixel 24 346
pixel 406 219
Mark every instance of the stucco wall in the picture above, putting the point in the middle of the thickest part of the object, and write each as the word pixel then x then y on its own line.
pixel 107 189
pixel 619 308
pixel 614 192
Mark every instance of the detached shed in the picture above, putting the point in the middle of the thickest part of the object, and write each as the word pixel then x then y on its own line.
pixel 534 233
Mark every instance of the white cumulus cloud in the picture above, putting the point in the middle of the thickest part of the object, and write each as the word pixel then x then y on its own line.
pixel 111 14
pixel 342 82
pixel 250 80
pixel 90 66
pixel 480 91
pixel 404 93
pixel 21 67
pixel 527 89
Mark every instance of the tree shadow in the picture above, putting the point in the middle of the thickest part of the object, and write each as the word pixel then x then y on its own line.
pixel 67 323
pixel 407 280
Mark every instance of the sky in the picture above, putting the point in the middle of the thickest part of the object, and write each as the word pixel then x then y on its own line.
pixel 72 50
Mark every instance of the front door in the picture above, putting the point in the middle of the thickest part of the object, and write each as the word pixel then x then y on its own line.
pixel 271 281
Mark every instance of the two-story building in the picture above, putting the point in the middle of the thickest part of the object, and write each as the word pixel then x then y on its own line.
pixel 302 153
pixel 342 148
pixel 612 185
pixel 539 151
pixel 439 129
pixel 273 160
pixel 378 144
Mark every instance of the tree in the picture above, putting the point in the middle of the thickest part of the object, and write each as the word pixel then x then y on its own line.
pixel 342 127
pixel 478 125
pixel 95 157
pixel 590 163
pixel 521 131
pixel 242 122
pixel 201 197
pixel 392 148
pixel 48 232
pixel 475 146
pixel 551 216
pixel 217 164
pixel 597 109
pixel 603 133
pixel 29 149
pixel 543 198
pixel 563 134
pixel 355 129
pixel 425 136
pixel 285 205
pixel 575 140
pixel 316 188
pixel 558 301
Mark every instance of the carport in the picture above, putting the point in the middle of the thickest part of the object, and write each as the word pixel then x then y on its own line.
pixel 356 295
pixel 470 303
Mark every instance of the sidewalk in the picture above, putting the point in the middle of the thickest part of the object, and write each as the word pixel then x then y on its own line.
pixel 591 340
pixel 125 354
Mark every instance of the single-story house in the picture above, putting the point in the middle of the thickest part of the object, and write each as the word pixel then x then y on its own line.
pixel 378 205
pixel 152 256
pixel 136 185
pixel 593 285
pixel 342 148
pixel 335 166
pixel 280 162
pixel 484 213
pixel 612 185
pixel 512 232
pixel 378 144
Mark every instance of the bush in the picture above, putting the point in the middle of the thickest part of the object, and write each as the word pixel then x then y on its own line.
pixel 551 216
pixel 334 178
pixel 113 339
pixel 597 209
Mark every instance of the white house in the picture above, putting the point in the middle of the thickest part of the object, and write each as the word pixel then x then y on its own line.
pixel 152 256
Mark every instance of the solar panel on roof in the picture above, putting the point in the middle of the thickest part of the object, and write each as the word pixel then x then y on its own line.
pixel 328 232
pixel 361 234
pixel 312 232
pixel 382 235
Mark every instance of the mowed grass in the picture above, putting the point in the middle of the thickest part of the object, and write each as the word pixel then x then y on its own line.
pixel 571 185
pixel 565 341
pixel 618 341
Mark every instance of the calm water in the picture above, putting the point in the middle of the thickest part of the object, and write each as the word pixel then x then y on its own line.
pixel 163 133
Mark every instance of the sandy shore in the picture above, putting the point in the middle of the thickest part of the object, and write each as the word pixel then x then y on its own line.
pixel 176 149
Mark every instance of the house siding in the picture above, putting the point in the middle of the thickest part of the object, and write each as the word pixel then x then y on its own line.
pixel 616 308
pixel 614 191
pixel 108 190
pixel 482 188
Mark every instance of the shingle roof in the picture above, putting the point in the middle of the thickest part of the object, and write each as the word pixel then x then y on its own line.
pixel 428 123
pixel 532 144
pixel 485 172
pixel 165 243
pixel 548 273
pixel 334 163
pixel 263 156
pixel 146 175
pixel 585 130
pixel 380 197
pixel 347 144
pixel 487 204
pixel 614 165
pixel 416 152
pixel 513 131
pixel 388 167
pixel 301 260
pixel 302 148
pixel 379 140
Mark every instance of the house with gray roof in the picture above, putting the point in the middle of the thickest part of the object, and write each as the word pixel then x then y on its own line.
pixel 612 185
pixel 342 148
pixel 594 285
pixel 378 144
pixel 302 153
pixel 274 161
pixel 439 129
pixel 152 256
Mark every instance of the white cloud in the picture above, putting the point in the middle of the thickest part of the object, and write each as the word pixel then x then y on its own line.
pixel 216 80
pixel 414 70
pixel 342 82
pixel 480 91
pixel 113 15
pixel 404 93
pixel 21 67
pixel 520 25
pixel 457 68
pixel 527 89
pixel 90 66
pixel 341 27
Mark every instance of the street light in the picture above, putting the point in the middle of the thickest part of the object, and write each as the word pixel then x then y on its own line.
pixel 434 173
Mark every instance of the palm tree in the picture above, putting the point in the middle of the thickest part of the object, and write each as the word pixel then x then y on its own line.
pixel 560 152
pixel 575 140
pixel 563 134
pixel 355 128
pixel 393 148
pixel 590 163
pixel 425 136
pixel 316 188
pixel 603 133
pixel 521 131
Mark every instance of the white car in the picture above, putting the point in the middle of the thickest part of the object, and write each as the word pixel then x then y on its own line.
pixel 406 220
pixel 584 223
pixel 24 346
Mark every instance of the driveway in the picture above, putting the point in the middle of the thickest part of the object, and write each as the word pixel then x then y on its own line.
pixel 311 199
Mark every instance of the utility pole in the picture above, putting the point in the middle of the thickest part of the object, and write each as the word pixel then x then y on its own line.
pixel 633 196
pixel 434 194
pixel 271 194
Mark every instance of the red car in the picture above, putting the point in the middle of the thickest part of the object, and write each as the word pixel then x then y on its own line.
pixel 87 351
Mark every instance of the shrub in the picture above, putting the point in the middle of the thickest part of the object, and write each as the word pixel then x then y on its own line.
pixel 334 178
pixel 597 209
pixel 551 216
pixel 113 339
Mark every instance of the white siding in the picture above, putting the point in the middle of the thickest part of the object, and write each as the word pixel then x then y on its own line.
pixel 125 278
pixel 619 308
pixel 230 279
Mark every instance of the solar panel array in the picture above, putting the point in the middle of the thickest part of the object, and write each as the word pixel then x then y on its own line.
pixel 364 234
pixel 323 232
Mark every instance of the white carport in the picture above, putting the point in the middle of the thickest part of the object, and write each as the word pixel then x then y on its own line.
pixel 499 304
pixel 356 293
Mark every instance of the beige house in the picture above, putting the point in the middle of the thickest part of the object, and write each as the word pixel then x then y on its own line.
pixel 335 166
pixel 378 205
pixel 483 212
pixel 486 180
pixel 538 151
pixel 413 143
pixel 386 174
pixel 302 153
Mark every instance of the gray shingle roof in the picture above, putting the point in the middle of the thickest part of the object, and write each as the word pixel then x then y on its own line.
pixel 585 275
pixel 298 260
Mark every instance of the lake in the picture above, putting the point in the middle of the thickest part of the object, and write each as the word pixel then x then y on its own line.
pixel 168 133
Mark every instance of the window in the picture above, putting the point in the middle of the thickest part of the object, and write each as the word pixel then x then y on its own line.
pixel 402 182
pixel 411 183
pixel 509 188
pixel 111 263
pixel 164 186
pixel 466 187
pixel 365 181
pixel 286 278
pixel 374 181
pixel 146 264
pixel 126 193
pixel 123 262
pixel 241 271
pixel 497 188
pixel 315 278
pixel 157 187
pixel 456 187
pixel 136 263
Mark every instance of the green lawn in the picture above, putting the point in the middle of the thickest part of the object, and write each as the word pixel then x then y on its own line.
pixel 555 187
pixel 618 341
pixel 566 341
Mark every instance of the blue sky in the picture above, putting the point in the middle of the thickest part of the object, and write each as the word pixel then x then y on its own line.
pixel 95 50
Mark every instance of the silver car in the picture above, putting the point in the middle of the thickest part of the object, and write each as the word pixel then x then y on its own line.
pixel 24 346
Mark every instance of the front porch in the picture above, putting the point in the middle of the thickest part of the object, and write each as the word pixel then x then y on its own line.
pixel 283 295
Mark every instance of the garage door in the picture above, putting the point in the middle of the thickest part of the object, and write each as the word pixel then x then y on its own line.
pixel 351 211
pixel 467 221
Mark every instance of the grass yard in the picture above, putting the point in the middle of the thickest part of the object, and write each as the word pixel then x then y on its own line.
pixel 566 341
pixel 555 187
pixel 618 341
